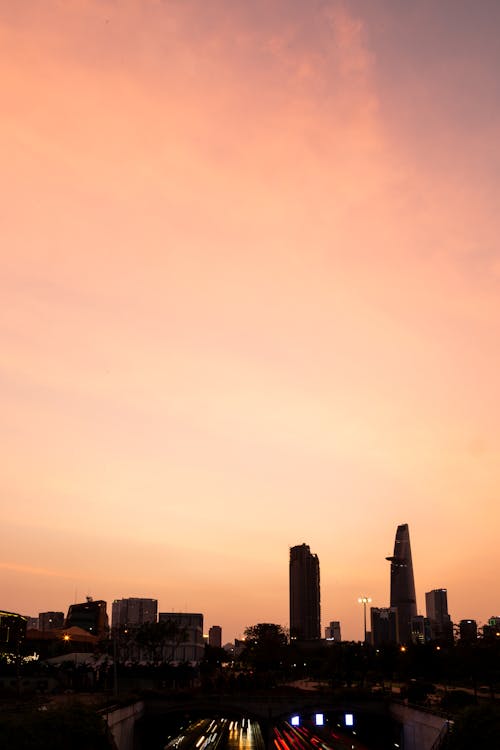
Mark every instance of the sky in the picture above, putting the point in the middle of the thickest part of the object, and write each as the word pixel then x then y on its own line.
pixel 250 286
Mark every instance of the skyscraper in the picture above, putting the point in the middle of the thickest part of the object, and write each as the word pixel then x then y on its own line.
pixel 436 605
pixel 305 619
pixel 402 583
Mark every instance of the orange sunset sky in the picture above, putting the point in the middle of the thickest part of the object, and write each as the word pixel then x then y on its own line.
pixel 250 298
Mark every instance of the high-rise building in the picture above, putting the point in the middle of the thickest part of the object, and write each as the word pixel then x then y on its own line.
pixel 468 631
pixel 384 625
pixel 436 605
pixel 50 620
pixel 90 615
pixel 215 636
pixel 420 629
pixel 305 617
pixel 133 611
pixel 402 583
pixel 332 631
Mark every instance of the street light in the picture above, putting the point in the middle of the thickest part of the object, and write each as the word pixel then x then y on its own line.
pixel 364 600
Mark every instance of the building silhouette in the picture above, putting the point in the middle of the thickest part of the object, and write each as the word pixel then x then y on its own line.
pixel 89 615
pixel 384 625
pixel 133 611
pixel 420 629
pixel 332 631
pixel 185 642
pixel 305 617
pixel 402 583
pixel 12 632
pixel 50 620
pixel 494 622
pixel 436 605
pixel 491 631
pixel 215 636
pixel 468 631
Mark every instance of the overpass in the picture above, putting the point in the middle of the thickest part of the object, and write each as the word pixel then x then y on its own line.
pixel 420 729
pixel 265 706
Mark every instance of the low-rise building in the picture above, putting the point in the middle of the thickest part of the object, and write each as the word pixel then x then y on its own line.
pixel 50 620
pixel 186 641
pixel 12 632
pixel 90 616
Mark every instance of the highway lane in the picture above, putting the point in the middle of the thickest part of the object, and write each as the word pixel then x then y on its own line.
pixel 244 735
pixel 287 737
pixel 203 734
pixel 227 734
pixel 218 734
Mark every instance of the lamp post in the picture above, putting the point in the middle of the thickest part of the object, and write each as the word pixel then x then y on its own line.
pixel 364 600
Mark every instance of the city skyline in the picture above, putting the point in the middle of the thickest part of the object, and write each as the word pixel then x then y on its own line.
pixel 250 283
pixel 305 600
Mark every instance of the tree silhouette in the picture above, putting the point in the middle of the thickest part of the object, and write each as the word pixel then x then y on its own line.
pixel 265 646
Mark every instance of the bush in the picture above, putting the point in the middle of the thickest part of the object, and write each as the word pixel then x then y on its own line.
pixel 478 726
pixel 455 700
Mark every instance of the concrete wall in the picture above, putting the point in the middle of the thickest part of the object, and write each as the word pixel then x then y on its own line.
pixel 121 723
pixel 420 728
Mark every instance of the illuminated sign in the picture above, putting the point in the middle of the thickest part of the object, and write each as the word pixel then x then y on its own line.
pixel 319 719
pixel 349 720
pixel 295 721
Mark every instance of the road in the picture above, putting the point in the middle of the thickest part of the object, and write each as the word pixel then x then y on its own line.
pixel 287 737
pixel 227 734
pixel 218 734
pixel 244 735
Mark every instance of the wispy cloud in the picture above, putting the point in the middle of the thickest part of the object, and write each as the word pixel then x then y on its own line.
pixel 32 570
pixel 249 262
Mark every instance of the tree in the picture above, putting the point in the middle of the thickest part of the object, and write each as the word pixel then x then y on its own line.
pixel 173 635
pixel 265 646
pixel 215 656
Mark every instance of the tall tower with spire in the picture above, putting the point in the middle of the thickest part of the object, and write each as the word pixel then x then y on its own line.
pixel 402 583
